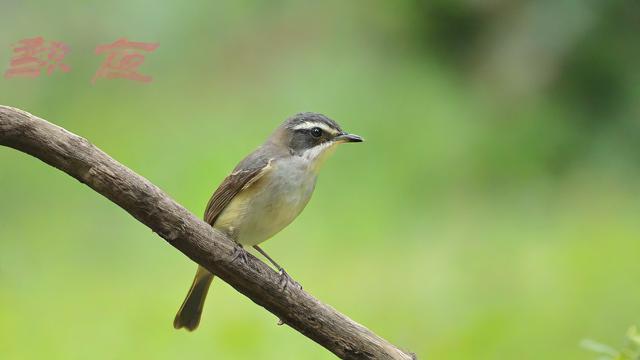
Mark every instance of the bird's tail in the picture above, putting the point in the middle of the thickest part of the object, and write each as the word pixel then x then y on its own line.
pixel 189 314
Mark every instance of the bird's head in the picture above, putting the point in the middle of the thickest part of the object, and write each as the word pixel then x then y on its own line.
pixel 312 136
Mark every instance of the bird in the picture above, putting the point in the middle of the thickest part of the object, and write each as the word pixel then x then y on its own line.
pixel 264 193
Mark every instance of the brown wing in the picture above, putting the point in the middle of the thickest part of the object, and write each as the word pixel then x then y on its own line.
pixel 230 187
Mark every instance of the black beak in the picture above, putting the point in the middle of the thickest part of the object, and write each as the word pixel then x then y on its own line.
pixel 344 137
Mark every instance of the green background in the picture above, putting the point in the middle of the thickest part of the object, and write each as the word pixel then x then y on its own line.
pixel 492 212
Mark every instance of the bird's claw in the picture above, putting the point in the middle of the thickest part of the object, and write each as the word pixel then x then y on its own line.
pixel 240 253
pixel 285 279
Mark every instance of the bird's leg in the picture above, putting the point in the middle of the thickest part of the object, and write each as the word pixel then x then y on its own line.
pixel 284 276
pixel 240 253
pixel 268 258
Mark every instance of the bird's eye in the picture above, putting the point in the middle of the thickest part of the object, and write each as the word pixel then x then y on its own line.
pixel 316 132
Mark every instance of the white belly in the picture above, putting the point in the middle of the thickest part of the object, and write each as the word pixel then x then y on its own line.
pixel 262 210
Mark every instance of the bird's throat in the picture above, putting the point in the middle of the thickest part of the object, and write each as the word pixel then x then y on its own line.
pixel 317 155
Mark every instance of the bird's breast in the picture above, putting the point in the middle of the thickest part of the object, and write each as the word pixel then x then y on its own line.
pixel 272 203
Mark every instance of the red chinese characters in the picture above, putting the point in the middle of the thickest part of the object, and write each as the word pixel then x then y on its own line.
pixel 31 56
pixel 123 59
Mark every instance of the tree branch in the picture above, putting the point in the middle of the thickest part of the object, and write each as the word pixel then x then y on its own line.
pixel 200 242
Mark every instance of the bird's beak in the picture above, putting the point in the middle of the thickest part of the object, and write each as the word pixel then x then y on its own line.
pixel 345 138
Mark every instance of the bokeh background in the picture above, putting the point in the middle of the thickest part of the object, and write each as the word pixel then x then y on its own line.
pixel 491 214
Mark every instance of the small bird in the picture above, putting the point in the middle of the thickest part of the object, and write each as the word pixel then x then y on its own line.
pixel 265 192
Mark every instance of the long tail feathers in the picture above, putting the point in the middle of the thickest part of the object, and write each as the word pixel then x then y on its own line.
pixel 188 316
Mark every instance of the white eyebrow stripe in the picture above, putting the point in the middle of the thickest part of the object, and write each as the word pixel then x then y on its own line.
pixel 312 124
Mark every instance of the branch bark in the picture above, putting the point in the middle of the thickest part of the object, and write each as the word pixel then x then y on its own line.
pixel 200 242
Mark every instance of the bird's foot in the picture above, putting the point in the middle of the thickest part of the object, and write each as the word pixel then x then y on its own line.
pixel 285 280
pixel 239 253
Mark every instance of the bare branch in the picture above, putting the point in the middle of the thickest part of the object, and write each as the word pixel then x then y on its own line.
pixel 151 206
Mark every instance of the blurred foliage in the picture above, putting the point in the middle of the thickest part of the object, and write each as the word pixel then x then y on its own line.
pixel 492 212
pixel 630 351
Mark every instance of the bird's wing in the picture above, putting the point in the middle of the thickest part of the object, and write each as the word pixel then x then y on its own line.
pixel 231 186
